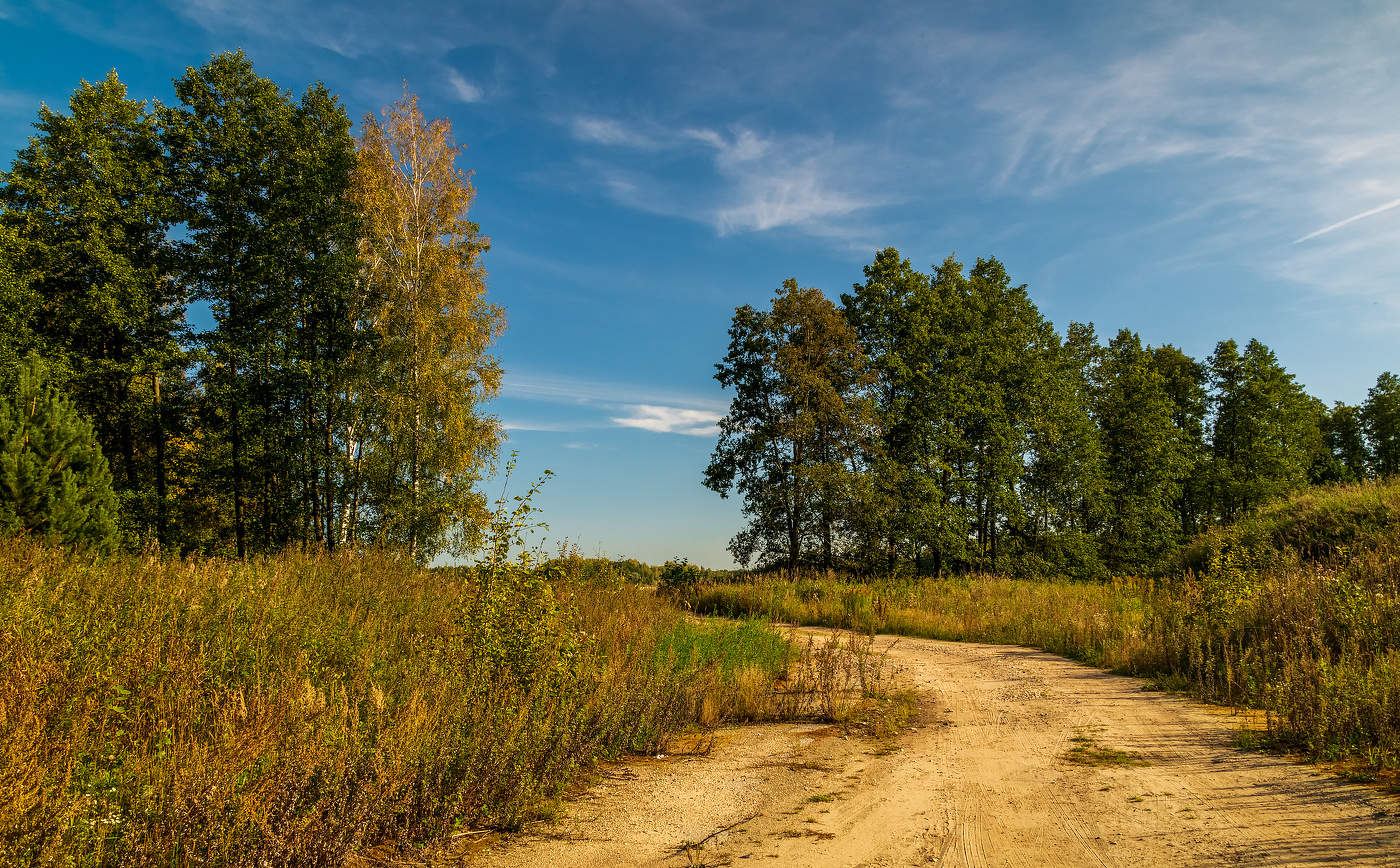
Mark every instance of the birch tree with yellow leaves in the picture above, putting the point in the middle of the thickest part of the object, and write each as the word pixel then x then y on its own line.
pixel 422 444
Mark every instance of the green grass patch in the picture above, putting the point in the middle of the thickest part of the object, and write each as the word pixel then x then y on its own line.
pixel 1085 751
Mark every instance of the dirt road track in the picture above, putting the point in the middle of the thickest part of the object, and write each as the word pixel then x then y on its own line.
pixel 985 781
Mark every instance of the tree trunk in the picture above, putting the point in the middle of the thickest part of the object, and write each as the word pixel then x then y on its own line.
pixel 826 542
pixel 160 461
pixel 236 442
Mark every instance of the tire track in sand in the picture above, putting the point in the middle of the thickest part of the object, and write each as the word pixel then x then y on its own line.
pixel 985 784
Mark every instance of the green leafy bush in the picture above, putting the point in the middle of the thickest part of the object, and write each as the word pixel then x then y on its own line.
pixel 678 576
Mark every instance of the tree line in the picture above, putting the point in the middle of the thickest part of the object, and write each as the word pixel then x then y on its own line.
pixel 279 331
pixel 937 422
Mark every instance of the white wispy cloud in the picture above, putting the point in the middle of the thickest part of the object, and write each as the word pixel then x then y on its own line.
pixel 1277 122
pixel 607 131
pixel 464 90
pixel 1273 120
pixel 670 420
pixel 798 195
pixel 18 102
pixel 740 146
pixel 759 182
pixel 341 30
pixel 1062 122
pixel 871 129
pixel 520 425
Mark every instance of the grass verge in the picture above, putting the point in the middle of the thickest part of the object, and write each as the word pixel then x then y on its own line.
pixel 300 709
pixel 1295 611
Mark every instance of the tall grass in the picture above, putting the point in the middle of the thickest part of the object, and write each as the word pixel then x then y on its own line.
pixel 1295 610
pixel 1091 622
pixel 293 710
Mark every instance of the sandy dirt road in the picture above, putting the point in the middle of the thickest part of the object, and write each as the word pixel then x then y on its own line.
pixel 984 780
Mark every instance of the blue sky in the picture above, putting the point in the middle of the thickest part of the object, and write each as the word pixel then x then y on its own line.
pixel 1191 172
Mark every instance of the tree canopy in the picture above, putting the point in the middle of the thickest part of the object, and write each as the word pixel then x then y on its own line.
pixel 972 436
pixel 798 430
pixel 331 391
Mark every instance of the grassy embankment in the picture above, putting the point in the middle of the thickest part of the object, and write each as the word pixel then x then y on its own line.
pixel 294 710
pixel 1294 610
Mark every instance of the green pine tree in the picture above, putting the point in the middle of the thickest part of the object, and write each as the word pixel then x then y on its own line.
pixel 54 480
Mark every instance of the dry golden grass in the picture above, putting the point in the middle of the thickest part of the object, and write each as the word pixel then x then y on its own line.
pixel 299 709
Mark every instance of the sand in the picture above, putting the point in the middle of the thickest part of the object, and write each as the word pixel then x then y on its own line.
pixel 984 778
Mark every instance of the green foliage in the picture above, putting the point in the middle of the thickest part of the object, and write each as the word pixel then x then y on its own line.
pixel 1344 457
pixel 974 442
pixel 18 303
pixel 1381 417
pixel 988 449
pixel 1266 433
pixel 1145 451
pixel 633 570
pixel 54 481
pixel 983 441
pixel 797 429
pixel 334 399
pixel 87 206
pixel 1067 483
pixel 1185 381
pixel 902 509
pixel 679 576
pixel 263 186
pixel 1320 524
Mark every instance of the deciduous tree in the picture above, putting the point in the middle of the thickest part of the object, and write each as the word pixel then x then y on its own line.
pixel 422 441
pixel 89 205
pixel 1185 381
pixel 1265 434
pixel 227 142
pixel 1146 455
pixel 798 427
pixel 1381 415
